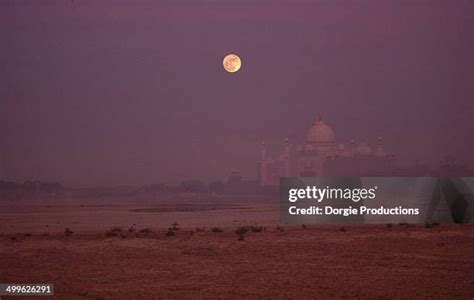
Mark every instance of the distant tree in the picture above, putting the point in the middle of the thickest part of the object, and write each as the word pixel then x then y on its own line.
pixel 216 187
pixel 157 187
pixel 50 187
pixel 234 178
pixel 193 186
pixel 9 186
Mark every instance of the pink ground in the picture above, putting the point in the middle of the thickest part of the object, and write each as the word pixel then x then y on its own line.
pixel 369 261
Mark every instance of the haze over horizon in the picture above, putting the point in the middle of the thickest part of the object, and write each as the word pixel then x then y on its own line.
pixel 121 92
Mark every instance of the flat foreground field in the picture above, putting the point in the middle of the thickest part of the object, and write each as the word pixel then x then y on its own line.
pixel 318 261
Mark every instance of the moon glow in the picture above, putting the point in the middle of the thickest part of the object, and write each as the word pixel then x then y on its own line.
pixel 232 63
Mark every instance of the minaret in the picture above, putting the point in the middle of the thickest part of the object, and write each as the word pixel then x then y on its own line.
pixel 379 151
pixel 353 148
pixel 263 151
pixel 286 159
pixel 379 142
pixel 287 148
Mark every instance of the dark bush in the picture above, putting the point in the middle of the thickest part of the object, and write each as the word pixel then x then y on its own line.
pixel 68 232
pixel 175 226
pixel 170 232
pixel 146 231
pixel 254 228
pixel 241 230
pixel 431 225
pixel 216 229
pixel 114 231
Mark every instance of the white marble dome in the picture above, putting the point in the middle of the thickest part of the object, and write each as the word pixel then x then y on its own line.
pixel 320 132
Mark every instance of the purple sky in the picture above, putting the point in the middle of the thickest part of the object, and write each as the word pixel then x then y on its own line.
pixel 133 92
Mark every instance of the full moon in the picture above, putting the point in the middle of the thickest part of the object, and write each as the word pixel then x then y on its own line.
pixel 232 63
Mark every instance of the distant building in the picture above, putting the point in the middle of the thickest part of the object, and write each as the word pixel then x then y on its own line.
pixel 235 185
pixel 320 155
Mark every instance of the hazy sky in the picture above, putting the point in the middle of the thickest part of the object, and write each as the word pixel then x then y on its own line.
pixel 133 92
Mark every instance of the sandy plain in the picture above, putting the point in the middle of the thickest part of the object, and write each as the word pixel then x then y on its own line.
pixel 358 261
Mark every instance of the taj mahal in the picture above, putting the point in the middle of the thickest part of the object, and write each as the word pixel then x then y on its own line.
pixel 321 155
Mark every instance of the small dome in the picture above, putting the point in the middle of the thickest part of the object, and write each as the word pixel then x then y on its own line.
pixel 363 149
pixel 343 151
pixel 320 132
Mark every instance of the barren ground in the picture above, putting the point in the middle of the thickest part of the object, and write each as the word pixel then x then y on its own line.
pixel 368 261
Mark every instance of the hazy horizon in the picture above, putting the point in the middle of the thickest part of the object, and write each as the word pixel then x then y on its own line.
pixel 133 93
